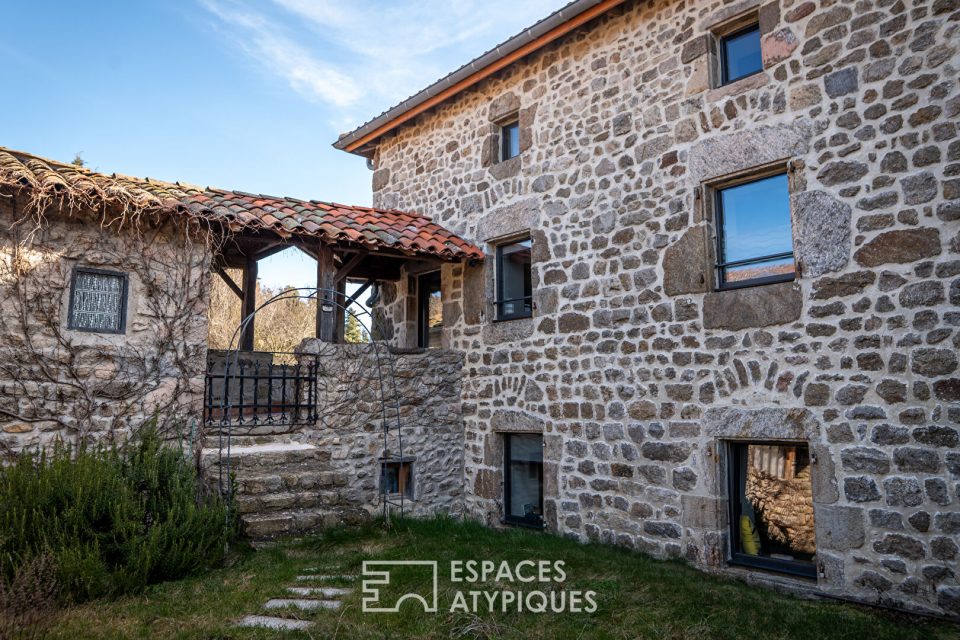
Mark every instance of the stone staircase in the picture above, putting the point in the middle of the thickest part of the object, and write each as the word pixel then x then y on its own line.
pixel 282 487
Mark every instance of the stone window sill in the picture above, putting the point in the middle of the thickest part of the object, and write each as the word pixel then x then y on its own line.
pixel 735 88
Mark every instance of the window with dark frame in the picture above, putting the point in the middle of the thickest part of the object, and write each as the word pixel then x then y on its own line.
pixel 98 301
pixel 740 54
pixel 429 310
pixel 754 236
pixel 771 507
pixel 509 140
pixel 514 287
pixel 523 479
pixel 396 478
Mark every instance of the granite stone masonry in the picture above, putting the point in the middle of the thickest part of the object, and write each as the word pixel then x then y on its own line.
pixel 634 367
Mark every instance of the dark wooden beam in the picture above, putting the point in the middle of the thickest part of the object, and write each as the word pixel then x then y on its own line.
pixel 270 250
pixel 229 281
pixel 349 266
pixel 326 309
pixel 359 292
pixel 249 303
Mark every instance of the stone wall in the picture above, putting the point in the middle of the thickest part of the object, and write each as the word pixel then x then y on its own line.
pixel 633 367
pixel 360 387
pixel 59 383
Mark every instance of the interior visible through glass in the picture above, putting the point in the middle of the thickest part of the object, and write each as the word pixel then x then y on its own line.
pixel 741 54
pixel 755 223
pixel 515 284
pixel 431 310
pixel 396 478
pixel 524 484
pixel 774 502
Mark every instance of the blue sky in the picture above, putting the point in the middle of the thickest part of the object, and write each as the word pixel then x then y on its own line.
pixel 239 94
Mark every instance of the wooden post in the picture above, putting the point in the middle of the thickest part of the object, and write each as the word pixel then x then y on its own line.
pixel 249 303
pixel 341 314
pixel 326 309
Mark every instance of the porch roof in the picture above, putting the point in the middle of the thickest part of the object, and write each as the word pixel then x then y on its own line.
pixel 333 224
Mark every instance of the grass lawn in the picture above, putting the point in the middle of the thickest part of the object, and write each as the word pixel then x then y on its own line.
pixel 637 597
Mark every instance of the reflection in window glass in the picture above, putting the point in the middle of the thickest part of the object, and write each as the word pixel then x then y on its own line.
pixel 509 140
pixel 396 478
pixel 430 310
pixel 514 283
pixel 741 54
pixel 754 236
pixel 523 482
pixel 773 506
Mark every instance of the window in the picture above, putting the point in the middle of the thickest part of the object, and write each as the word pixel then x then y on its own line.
pixel 523 479
pixel 98 301
pixel 396 478
pixel 740 54
pixel 772 507
pixel 509 140
pixel 429 310
pixel 514 284
pixel 754 239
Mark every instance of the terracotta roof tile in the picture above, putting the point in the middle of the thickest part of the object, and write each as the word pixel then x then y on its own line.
pixel 409 233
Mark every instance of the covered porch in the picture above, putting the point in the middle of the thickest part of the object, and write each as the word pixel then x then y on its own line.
pixel 359 246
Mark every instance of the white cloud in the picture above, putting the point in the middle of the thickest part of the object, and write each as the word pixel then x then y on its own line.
pixel 354 54
pixel 263 41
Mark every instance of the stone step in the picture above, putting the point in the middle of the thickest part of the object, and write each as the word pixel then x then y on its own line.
pixel 264 503
pixel 271 456
pixel 305 604
pixel 325 578
pixel 270 622
pixel 285 523
pixel 249 483
pixel 324 592
pixel 213 442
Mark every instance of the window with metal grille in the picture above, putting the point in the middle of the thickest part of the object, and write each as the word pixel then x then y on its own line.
pixel 754 237
pixel 98 301
pixel 514 281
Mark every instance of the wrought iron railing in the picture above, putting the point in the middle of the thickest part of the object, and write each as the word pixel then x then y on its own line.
pixel 253 388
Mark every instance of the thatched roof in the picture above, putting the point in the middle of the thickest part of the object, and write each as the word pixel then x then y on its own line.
pixel 42 180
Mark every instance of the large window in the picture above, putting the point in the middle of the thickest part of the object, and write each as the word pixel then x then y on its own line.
pixel 509 140
pixel 514 283
pixel 98 301
pixel 754 239
pixel 740 54
pixel 523 479
pixel 772 507
pixel 429 310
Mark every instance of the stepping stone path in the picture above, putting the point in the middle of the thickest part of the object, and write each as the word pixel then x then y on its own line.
pixel 303 598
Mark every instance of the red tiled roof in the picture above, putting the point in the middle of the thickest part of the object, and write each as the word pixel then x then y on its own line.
pixel 333 223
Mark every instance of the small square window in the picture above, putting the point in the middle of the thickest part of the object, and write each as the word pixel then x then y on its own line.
pixel 523 479
pixel 771 507
pixel 740 54
pixel 396 478
pixel 98 301
pixel 514 281
pixel 754 237
pixel 509 140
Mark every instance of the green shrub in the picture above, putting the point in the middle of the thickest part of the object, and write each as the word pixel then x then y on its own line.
pixel 113 520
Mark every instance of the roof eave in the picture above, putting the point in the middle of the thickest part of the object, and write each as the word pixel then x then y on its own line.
pixel 561 22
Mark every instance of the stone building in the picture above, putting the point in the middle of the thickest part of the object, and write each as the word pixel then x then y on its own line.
pixel 719 315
